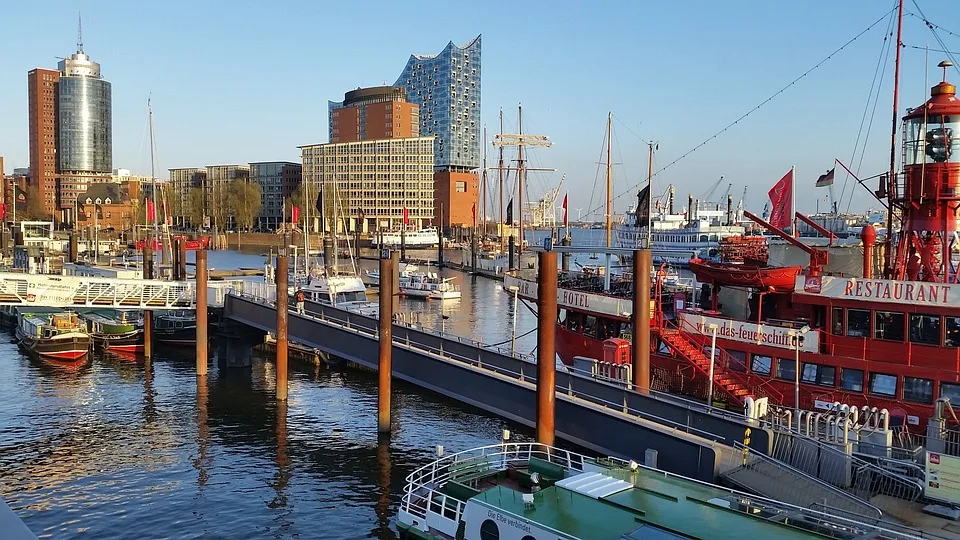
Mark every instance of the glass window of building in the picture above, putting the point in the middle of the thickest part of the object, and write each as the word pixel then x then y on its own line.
pixel 851 380
pixel 858 323
pixel 917 390
pixel 925 329
pixel 888 325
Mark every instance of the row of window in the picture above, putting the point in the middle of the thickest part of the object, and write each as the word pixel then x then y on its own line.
pixel 915 389
pixel 892 326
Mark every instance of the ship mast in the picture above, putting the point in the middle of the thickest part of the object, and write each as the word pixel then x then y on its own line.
pixel 500 188
pixel 520 181
pixel 483 191
pixel 650 196
pixel 609 176
pixel 892 175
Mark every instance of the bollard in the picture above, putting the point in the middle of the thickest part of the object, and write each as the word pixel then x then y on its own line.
pixel 148 314
pixel 385 364
pixel 546 347
pixel 202 343
pixel 283 296
pixel 642 264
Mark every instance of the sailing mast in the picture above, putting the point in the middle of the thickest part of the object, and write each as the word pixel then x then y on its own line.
pixel 650 197
pixel 891 177
pixel 609 176
pixel 483 187
pixel 520 181
pixel 153 181
pixel 500 188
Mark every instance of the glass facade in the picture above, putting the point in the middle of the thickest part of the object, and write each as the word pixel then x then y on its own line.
pixel 447 89
pixel 277 179
pixel 85 133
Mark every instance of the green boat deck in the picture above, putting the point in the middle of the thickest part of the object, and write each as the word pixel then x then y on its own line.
pixel 655 507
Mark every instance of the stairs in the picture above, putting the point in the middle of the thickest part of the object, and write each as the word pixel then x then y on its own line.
pixel 730 382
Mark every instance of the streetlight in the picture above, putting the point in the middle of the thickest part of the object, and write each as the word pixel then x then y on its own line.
pixel 713 355
pixel 796 339
pixel 513 337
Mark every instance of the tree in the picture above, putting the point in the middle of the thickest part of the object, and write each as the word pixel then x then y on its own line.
pixel 194 210
pixel 218 207
pixel 244 200
pixel 35 209
pixel 331 197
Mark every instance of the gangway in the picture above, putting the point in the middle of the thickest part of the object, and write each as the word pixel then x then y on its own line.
pixel 80 291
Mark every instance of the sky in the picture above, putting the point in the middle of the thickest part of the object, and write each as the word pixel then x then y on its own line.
pixel 244 81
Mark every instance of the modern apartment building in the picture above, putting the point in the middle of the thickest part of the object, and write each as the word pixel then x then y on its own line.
pixel 277 180
pixel 373 182
pixel 446 86
pixel 70 126
pixel 366 114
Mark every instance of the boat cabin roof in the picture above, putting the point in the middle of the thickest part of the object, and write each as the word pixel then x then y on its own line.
pixel 643 504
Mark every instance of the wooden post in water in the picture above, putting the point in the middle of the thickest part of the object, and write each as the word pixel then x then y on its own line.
pixel 546 347
pixel 183 259
pixel 440 235
pixel 283 296
pixel 202 343
pixel 395 294
pixel 148 314
pixel 388 289
pixel 642 264
pixel 175 274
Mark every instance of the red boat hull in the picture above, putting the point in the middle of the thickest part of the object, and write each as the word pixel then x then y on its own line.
pixel 192 245
pixel 781 278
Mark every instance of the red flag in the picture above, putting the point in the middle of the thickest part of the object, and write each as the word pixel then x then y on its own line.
pixel 781 202
pixel 151 211
pixel 3 211
pixel 565 195
pixel 295 214
pixel 406 216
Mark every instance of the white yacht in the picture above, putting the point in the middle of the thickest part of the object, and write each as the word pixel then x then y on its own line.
pixel 346 292
pixel 429 285
pixel 406 270
pixel 424 238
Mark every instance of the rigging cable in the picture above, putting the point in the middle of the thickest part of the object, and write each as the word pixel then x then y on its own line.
pixel 764 102
pixel 933 30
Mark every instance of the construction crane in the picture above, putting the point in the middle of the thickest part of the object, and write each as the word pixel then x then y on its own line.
pixel 713 189
pixel 544 211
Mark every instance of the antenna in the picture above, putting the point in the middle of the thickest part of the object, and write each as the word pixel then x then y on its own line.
pixel 79 33
pixel 945 64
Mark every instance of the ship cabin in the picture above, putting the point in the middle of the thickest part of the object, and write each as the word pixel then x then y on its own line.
pixel 883 343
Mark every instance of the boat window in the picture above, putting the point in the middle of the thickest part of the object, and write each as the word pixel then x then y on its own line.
pixel 925 329
pixel 950 391
pixel 785 369
pixel 819 374
pixel 889 326
pixel 761 364
pixel 858 322
pixel 561 316
pixel 608 329
pixel 590 326
pixel 573 321
pixel 626 331
pixel 837 323
pixel 952 336
pixel 489 530
pixel 917 389
pixel 737 361
pixel 883 385
pixel 852 380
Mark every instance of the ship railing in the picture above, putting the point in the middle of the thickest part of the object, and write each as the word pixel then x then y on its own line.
pixel 732 367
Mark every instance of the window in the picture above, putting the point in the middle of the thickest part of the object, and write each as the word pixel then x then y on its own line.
pixel 608 329
pixel 888 325
pixel 858 323
pixel 461 187
pixel 737 361
pixel 924 329
pixel 837 324
pixel 573 321
pixel 819 374
pixel 917 389
pixel 950 391
pixel 590 326
pixel 761 364
pixel 952 336
pixel 786 369
pixel 883 385
pixel 489 530
pixel 851 380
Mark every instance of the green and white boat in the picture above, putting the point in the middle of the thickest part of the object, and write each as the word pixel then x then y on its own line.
pixel 115 331
pixel 530 491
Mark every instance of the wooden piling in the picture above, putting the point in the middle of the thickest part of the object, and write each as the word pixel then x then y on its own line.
pixel 395 262
pixel 642 264
pixel 183 259
pixel 202 343
pixel 546 346
pixel 283 297
pixel 147 314
pixel 385 365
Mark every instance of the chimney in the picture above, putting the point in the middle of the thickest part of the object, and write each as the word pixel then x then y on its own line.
pixel 729 209
pixel 670 210
pixel 690 208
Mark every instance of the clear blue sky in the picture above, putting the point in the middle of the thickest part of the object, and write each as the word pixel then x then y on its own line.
pixel 234 82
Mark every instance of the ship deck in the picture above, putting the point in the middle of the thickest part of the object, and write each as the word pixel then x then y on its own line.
pixel 657 506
